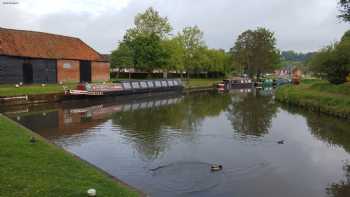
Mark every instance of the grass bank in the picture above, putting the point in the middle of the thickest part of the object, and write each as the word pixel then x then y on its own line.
pixel 197 83
pixel 42 169
pixel 318 96
pixel 11 90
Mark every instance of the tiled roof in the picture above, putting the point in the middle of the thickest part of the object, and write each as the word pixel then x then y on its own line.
pixel 44 45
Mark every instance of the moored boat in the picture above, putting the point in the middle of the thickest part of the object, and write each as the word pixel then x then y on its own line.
pixel 236 83
pixel 126 87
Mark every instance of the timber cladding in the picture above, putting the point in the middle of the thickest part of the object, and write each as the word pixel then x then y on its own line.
pixel 17 69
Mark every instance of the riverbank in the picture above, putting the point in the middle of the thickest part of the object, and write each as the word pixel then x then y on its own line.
pixel 36 89
pixel 319 96
pixel 34 94
pixel 43 169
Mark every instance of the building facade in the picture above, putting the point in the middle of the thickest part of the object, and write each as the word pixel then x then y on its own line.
pixel 37 57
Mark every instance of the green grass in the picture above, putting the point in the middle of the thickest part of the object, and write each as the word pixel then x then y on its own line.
pixel 318 96
pixel 196 83
pixel 11 90
pixel 42 169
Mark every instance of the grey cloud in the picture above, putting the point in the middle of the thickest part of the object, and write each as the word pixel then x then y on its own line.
pixel 299 25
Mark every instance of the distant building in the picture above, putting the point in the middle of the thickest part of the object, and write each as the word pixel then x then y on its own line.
pixel 37 57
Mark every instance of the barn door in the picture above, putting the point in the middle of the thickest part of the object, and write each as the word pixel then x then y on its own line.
pixel 27 73
pixel 85 71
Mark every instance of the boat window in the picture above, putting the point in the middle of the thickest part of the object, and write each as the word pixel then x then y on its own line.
pixel 143 84
pixel 171 83
pixel 136 85
pixel 164 84
pixel 126 85
pixel 150 84
pixel 158 84
pixel 176 83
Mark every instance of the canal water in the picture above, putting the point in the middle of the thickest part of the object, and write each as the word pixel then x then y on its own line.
pixel 165 145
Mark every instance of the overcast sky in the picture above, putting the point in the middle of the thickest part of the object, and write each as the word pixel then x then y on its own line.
pixel 301 25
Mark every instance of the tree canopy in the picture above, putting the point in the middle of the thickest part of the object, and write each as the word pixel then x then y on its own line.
pixel 344 10
pixel 255 51
pixel 149 45
pixel 333 61
pixel 149 23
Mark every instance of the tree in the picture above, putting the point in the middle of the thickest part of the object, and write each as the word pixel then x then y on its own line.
pixel 122 57
pixel 148 53
pixel 145 40
pixel 333 62
pixel 217 61
pixel 192 42
pixel 293 56
pixel 149 23
pixel 175 54
pixel 344 10
pixel 256 52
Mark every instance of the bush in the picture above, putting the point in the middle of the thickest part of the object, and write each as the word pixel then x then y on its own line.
pixel 333 62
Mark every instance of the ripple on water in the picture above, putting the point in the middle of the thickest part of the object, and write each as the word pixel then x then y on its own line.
pixel 186 177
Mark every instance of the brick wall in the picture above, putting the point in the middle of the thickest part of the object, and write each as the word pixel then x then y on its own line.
pixel 100 71
pixel 68 71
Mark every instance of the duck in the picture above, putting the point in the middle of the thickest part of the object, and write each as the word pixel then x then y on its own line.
pixel 32 140
pixel 216 167
pixel 280 142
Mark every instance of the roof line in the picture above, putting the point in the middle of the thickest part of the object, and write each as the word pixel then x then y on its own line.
pixel 41 32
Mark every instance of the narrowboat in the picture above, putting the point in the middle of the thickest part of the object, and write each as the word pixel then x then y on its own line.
pixel 126 87
pixel 236 83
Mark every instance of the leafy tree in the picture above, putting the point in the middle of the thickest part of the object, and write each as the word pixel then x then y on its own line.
pixel 149 23
pixel 122 57
pixel 218 61
pixel 175 54
pixel 344 10
pixel 193 43
pixel 293 56
pixel 148 53
pixel 145 40
pixel 256 52
pixel 333 62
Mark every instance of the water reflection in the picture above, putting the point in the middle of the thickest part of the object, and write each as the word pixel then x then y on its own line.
pixel 329 129
pixel 251 112
pixel 342 188
pixel 165 144
pixel 150 128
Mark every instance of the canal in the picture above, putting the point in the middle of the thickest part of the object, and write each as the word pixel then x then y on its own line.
pixel 165 144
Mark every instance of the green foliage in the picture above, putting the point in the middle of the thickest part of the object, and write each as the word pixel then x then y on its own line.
pixel 144 42
pixel 218 61
pixel 294 56
pixel 149 23
pixel 333 62
pixel 148 46
pixel 148 53
pixel 256 52
pixel 193 44
pixel 175 53
pixel 42 169
pixel 122 57
pixel 344 10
